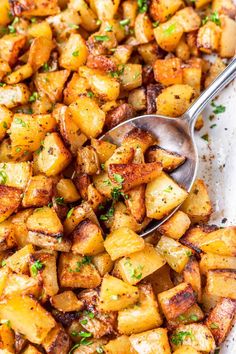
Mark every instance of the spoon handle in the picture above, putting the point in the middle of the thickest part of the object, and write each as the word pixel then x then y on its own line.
pixel 215 87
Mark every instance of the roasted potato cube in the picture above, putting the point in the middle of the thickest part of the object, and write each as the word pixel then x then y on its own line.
pixel 106 11
pixel 142 316
pixel 22 73
pixel 177 300
pixel 176 226
pixel 21 284
pixel 122 155
pixel 161 10
pixel 119 114
pixel 39 52
pixel 138 138
pixel 14 95
pixel 221 282
pixel 116 295
pixel 198 205
pixel 151 342
pixel 123 242
pixel 35 8
pixel 174 100
pixel 168 71
pixel 87 239
pixel 38 192
pixel 176 255
pixel 104 149
pixel 45 221
pixel 10 199
pixel 132 175
pixel 168 34
pixel 57 341
pixel 89 117
pixel 76 271
pixel 160 279
pixel 10 46
pixel 30 349
pixel 7 338
pixel 7 235
pixel 163 194
pixel 5 68
pixel 67 191
pixel 17 174
pixel 4 10
pixel 189 19
pixel 220 319
pixel 143 28
pixel 52 83
pixel 196 335
pixel 61 244
pixel 40 29
pixel 47 274
pixel 103 263
pixel 215 261
pixel 226 7
pixel 20 230
pixel 216 68
pixel 66 302
pixel 37 321
pixel 19 261
pixel 119 345
pixel 192 276
pixel 94 197
pixel 186 349
pixel 135 203
pixel 169 160
pixel 193 314
pixel 74 53
pixel 199 4
pixel 88 16
pixel 227 48
pixel 137 99
pixel 131 76
pixel 54 157
pixel 87 161
pixel 75 87
pixel 6 117
pixel 208 38
pixel 139 265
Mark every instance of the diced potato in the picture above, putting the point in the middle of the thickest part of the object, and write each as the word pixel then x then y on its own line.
pixel 75 87
pixel 38 192
pixel 47 275
pixel 66 302
pixel 116 295
pixel 142 316
pixel 87 239
pixel 94 197
pixel 52 83
pixel 87 161
pixel 151 342
pixel 10 46
pixel 45 221
pixel 4 274
pixel 139 265
pixel 193 314
pixel 103 263
pixel 19 224
pixel 134 174
pixel 67 190
pixel 176 226
pixel 89 117
pixel 123 242
pixel 35 8
pixel 106 11
pixel 104 149
pixel 135 203
pixel 161 10
pixel 54 157
pixel 19 261
pixel 39 52
pixel 40 29
pixel 209 301
pixel 214 261
pixel 182 50
pixel 226 7
pixel 220 319
pixel 160 279
pixel 162 195
pixel 175 100
pixel 5 68
pixel 119 345
pixel 196 335
pixel 74 53
pixel 143 28
pixel 76 271
pixel 131 76
pixel 168 71
pixel 216 68
pixel 4 11
pixel 21 284
pixel 57 340
pixel 37 321
pixel 7 338
pixel 189 19
pixel 42 104
pixel 122 155
pixel 6 117
pixel 198 205
pixel 177 300
pixel 192 77
pixel 176 255
pixel 192 276
pixel 62 24
pixel 186 349
pixel 227 48
pixel 13 96
pixel 17 174
pixel 168 34
pixel 30 349
pixel 138 138
pixel 7 235
pixel 123 53
pixel 88 17
pixel 221 282
pixel 169 160
pixel 22 73
pixel 10 199
pixel 61 244
pixel 208 38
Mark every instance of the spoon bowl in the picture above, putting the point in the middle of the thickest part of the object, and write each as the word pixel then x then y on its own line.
pixel 175 134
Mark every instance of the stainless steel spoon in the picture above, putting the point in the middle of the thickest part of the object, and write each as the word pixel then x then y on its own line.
pixel 176 134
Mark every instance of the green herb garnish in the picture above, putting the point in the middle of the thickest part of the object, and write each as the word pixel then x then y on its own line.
pixel 142 6
pixel 70 212
pixel 36 266
pixel 101 38
pixel 179 337
pixel 125 22
pixel 205 137
pixel 218 109
pixel 33 97
pixel 3 177
pixel 76 53
pixel 60 200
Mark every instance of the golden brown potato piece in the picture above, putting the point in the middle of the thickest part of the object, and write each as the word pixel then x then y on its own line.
pixel 66 301
pixel 215 261
pixel 198 205
pixel 141 317
pixel 39 52
pixel 135 203
pixel 20 74
pixel 103 263
pixel 10 46
pixel 57 341
pixel 29 8
pixel 14 95
pixel 19 223
pixel 7 235
pixel 220 319
pixel 216 68
pixel 155 340
pixel 143 29
pixel 132 175
pixel 114 346
pixel 221 282
pixel 176 300
pixel 160 279
pixel 169 160
pixel 192 276
pixel 10 199
pixel 100 62
pixel 45 221
pixel 75 87
pixel 19 261
pixel 76 271
pixel 122 155
pixel 61 244
pixel 67 191
pixel 168 34
pixel 168 71
pixel 87 239
pixel 104 149
pixel 227 48
pixel 87 161
pixel 176 226
pixel 137 138
pixel 226 7
pixel 208 38
pixel 192 315
pixel 74 53
pixel 6 117
pixel 189 19
pixel 160 10
pixel 38 192
pixel 7 338
pixel 119 114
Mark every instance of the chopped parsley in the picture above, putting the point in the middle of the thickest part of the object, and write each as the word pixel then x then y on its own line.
pixel 72 25
pixel 189 253
pixel 214 325
pixel 213 126
pixel 214 17
pixel 85 260
pixel 108 28
pixel 60 200
pixel 33 20
pixel 75 53
pixel 89 314
pixel 20 121
pixel 90 94
pixel 99 350
pixel 84 322
pixel 118 178
pixel 155 24
pixel 11 27
pixel 73 348
pixel 98 22
pixel 4 124
pixel 142 6
pixel 36 266
pixel 33 97
pixel 102 166
pixel 125 22
pixel 118 72
pixel 193 317
pixel 70 212
pixel 136 273
pixel 74 333
pixel 101 38
pixel 3 177
pixel 3 263
pixel 205 137
pixel 18 149
pixel 168 189
pixel 45 67
pixel 218 109
pixel 170 30
pixel 2 84
pixel 179 337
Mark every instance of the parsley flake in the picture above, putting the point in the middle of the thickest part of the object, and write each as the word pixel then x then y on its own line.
pixel 179 337
pixel 70 212
pixel 142 6
pixel 218 109
pixel 101 38
pixel 75 53
pixel 36 266
pixel 3 177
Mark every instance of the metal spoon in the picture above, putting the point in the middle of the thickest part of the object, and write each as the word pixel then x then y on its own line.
pixel 175 134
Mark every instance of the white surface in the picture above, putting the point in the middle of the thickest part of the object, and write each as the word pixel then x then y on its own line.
pixel 217 166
